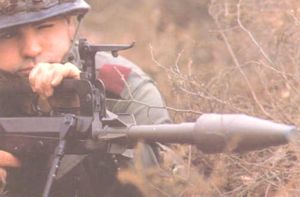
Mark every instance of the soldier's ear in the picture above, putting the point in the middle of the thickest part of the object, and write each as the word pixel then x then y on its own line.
pixel 71 22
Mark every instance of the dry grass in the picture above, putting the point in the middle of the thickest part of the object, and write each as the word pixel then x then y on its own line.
pixel 237 56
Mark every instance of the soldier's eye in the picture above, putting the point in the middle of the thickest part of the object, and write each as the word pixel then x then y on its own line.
pixel 8 34
pixel 45 26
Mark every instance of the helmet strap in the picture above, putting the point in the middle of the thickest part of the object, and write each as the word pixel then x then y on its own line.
pixel 69 57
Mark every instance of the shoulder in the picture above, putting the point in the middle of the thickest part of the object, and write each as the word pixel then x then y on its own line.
pixel 119 75
pixel 140 97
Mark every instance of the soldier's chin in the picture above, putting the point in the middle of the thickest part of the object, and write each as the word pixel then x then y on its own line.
pixel 6 72
pixel 24 72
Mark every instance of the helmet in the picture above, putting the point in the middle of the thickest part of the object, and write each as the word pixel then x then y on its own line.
pixel 18 12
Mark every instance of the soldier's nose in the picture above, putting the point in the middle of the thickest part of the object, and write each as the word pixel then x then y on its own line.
pixel 30 43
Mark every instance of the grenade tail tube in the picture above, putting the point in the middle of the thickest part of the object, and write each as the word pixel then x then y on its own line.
pixel 214 133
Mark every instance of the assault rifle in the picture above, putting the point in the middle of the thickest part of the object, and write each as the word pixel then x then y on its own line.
pixel 97 129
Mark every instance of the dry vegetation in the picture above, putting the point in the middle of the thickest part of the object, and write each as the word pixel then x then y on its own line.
pixel 237 56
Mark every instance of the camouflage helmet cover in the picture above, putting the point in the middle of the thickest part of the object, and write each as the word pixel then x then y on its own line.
pixel 18 12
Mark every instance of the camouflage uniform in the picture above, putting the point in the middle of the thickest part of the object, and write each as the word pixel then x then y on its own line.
pixel 124 80
pixel 129 91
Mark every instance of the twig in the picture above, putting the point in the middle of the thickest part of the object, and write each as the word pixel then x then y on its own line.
pixel 189 161
pixel 235 60
pixel 124 81
pixel 158 107
pixel 250 34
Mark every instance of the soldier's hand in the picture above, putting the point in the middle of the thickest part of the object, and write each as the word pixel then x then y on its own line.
pixel 7 160
pixel 45 76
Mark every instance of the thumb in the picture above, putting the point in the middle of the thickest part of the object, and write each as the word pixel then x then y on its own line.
pixel 70 70
pixel 3 175
pixel 8 160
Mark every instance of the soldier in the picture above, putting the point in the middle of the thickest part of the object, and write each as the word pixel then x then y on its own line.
pixel 38 43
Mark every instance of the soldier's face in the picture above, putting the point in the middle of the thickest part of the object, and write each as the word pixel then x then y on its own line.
pixel 22 47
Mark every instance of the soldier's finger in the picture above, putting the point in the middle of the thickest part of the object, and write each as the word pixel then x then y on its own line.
pixel 67 70
pixel 32 77
pixel 49 92
pixel 8 160
pixel 41 80
pixel 37 76
pixel 39 83
pixel 3 175
pixel 70 70
pixel 57 80
pixel 46 86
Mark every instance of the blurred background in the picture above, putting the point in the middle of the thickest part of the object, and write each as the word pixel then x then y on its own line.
pixel 223 56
